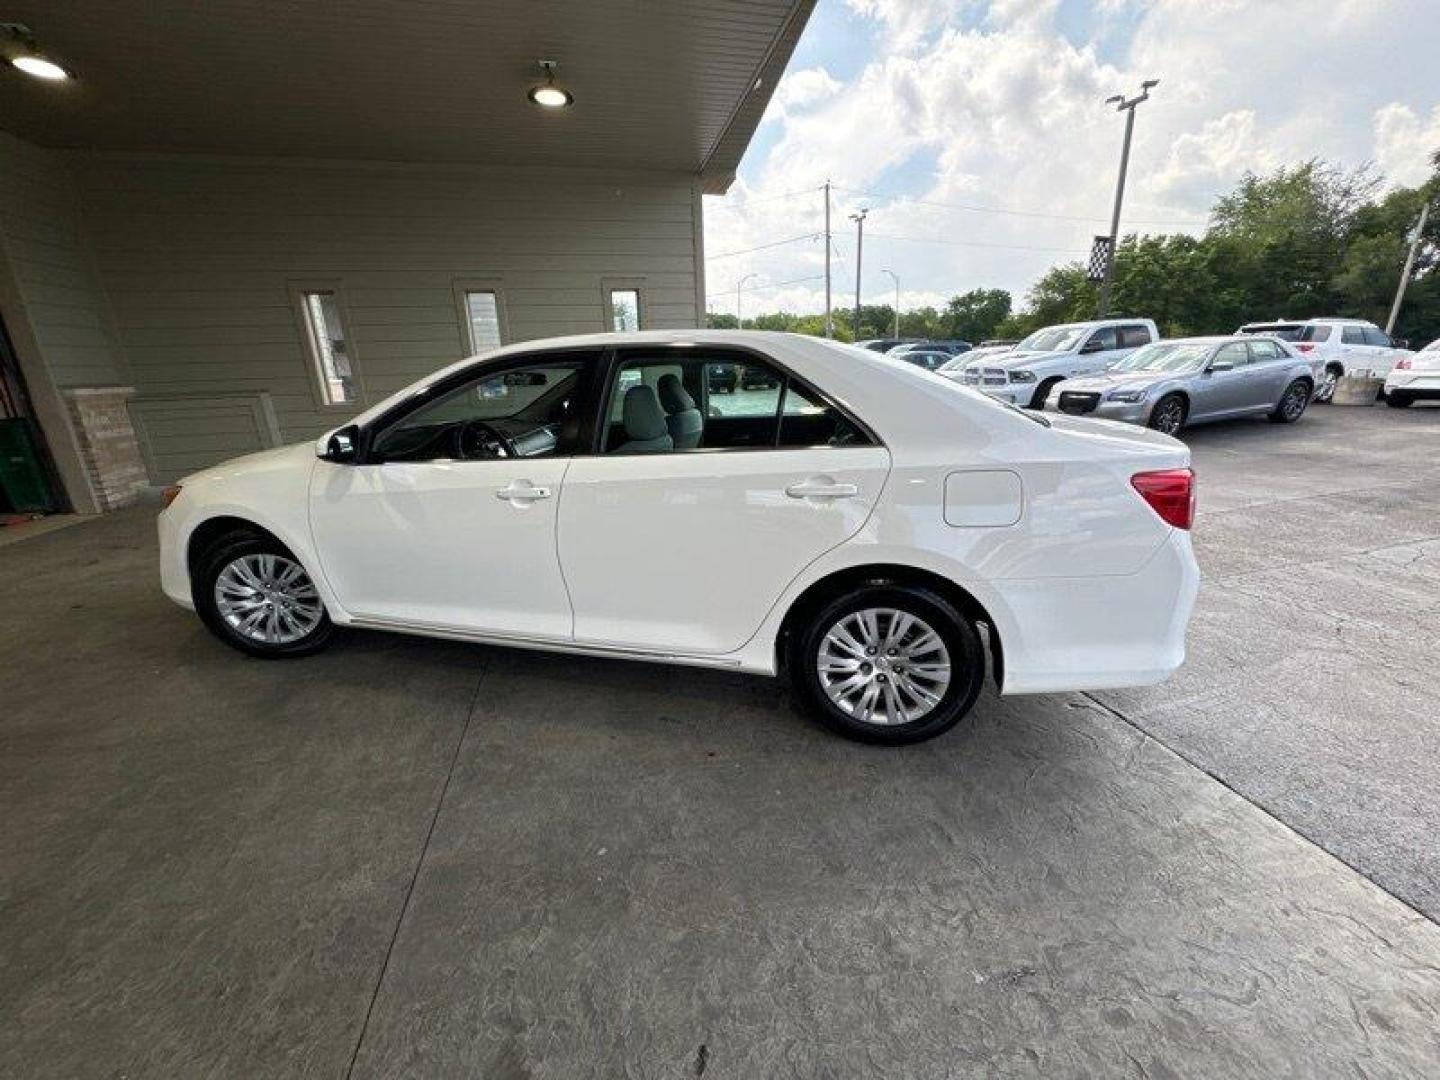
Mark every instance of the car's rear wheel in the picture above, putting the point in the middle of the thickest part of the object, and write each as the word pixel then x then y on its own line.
pixel 1292 403
pixel 1325 389
pixel 888 664
pixel 257 597
pixel 1168 415
pixel 1397 400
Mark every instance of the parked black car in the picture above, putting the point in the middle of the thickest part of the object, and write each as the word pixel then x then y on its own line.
pixel 885 344
pixel 723 378
pixel 757 378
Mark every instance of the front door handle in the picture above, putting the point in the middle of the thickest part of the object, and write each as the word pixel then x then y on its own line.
pixel 823 488
pixel 522 493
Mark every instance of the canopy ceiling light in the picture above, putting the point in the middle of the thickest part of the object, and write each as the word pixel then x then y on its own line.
pixel 547 94
pixel 29 59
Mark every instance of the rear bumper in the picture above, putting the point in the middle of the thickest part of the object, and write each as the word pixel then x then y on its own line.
pixel 1099 633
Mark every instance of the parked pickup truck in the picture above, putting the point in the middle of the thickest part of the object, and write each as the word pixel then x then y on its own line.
pixel 1027 373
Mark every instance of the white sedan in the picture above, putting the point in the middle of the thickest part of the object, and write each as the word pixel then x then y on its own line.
pixel 853 521
pixel 1415 378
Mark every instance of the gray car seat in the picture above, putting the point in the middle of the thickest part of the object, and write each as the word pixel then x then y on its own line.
pixel 683 418
pixel 644 420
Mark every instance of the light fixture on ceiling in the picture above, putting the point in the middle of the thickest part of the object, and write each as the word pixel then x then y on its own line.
pixel 547 94
pixel 30 59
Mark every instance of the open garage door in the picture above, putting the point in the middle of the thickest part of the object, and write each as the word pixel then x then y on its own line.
pixel 27 480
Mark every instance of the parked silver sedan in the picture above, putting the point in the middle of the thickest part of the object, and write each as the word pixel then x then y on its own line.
pixel 1169 384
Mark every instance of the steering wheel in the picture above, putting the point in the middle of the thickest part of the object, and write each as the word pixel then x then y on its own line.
pixel 477 440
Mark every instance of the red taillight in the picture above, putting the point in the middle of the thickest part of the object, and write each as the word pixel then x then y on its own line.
pixel 1170 493
pixel 1403 364
pixel 1306 347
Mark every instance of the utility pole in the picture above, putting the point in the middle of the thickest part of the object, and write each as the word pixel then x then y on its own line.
pixel 1409 266
pixel 896 278
pixel 859 220
pixel 739 286
pixel 1127 106
pixel 829 321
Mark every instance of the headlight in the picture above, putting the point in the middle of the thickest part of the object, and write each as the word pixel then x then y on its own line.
pixel 1022 376
pixel 1125 395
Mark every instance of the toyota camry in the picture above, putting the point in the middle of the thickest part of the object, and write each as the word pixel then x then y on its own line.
pixel 885 537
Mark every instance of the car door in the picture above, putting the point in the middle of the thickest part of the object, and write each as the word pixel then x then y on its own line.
pixel 1355 353
pixel 1098 351
pixel 687 551
pixel 1222 391
pixel 449 519
pixel 1269 373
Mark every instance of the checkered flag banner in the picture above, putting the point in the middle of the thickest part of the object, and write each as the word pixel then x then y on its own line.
pixel 1099 257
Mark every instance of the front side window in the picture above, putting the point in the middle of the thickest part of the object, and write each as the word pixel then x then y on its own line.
pixel 1264 350
pixel 624 309
pixel 328 343
pixel 526 411
pixel 674 402
pixel 1104 339
pixel 1235 354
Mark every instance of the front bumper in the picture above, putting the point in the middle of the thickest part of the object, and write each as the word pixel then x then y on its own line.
pixel 1128 412
pixel 1018 394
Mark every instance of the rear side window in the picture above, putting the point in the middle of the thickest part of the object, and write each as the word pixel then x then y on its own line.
pixel 1312 333
pixel 1132 337
pixel 1375 336
pixel 1235 354
pixel 1353 335
pixel 686 400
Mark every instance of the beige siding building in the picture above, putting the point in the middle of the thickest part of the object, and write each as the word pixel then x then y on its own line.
pixel 196 266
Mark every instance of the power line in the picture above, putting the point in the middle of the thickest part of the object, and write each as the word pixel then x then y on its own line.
pixel 763 247
pixel 770 285
pixel 971 243
pixel 755 200
pixel 1015 213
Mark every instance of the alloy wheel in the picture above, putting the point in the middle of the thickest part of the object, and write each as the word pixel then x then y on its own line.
pixel 1294 403
pixel 1169 416
pixel 268 599
pixel 883 666
pixel 1326 390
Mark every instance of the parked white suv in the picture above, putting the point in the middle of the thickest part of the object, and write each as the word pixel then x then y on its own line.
pixel 1335 347
pixel 1027 373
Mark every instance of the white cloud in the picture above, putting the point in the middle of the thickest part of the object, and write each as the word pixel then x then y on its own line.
pixel 1404 143
pixel 992 105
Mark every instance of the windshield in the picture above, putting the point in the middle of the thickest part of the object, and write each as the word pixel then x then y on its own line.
pixel 1164 356
pixel 1434 346
pixel 1052 339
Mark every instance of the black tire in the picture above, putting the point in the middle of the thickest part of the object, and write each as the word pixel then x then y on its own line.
pixel 1292 403
pixel 1397 400
pixel 1168 415
pixel 958 634
pixel 1037 399
pixel 224 551
pixel 1326 390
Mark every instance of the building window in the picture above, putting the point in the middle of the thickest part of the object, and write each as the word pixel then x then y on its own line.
pixel 625 309
pixel 482 317
pixel 329 345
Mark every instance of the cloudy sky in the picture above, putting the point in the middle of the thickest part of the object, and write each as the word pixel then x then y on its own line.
pixel 975 132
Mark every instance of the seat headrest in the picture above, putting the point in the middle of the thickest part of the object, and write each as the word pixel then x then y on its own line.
pixel 641 412
pixel 673 394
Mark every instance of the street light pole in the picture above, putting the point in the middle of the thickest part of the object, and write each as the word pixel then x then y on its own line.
pixel 739 285
pixel 1127 106
pixel 895 278
pixel 1409 266
pixel 859 220
pixel 829 320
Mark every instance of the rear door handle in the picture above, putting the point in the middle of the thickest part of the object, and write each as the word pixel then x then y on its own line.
pixel 821 487
pixel 522 493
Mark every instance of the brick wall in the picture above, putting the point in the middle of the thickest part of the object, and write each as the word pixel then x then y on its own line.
pixel 107 443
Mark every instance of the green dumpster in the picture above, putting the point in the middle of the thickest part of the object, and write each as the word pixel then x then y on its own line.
pixel 25 487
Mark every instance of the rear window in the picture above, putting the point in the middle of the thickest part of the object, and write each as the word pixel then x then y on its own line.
pixel 1284 331
pixel 1312 333
pixel 1132 337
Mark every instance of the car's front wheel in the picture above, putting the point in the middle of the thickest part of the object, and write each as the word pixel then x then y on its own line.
pixel 889 664
pixel 1168 415
pixel 1292 403
pixel 255 596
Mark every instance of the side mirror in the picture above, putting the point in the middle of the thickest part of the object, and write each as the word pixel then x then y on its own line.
pixel 1221 365
pixel 1093 345
pixel 341 446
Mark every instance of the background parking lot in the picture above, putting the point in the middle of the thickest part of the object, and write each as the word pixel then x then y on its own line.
pixel 410 856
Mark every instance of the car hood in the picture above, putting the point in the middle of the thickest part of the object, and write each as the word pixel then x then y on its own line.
pixel 1016 359
pixel 281 456
pixel 1137 380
